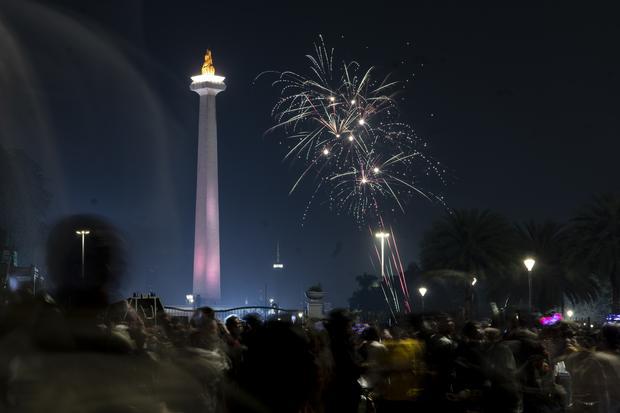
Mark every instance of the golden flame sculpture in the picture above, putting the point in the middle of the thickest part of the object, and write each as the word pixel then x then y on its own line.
pixel 207 66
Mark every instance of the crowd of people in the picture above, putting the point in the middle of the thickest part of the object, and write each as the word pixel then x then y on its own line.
pixel 77 350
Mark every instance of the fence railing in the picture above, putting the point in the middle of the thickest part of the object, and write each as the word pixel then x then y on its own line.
pixel 265 312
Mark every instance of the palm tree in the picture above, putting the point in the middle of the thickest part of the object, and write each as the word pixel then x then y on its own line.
pixel 368 298
pixel 595 241
pixel 468 243
pixel 555 275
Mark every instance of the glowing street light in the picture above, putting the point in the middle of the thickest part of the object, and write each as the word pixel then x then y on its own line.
pixel 529 264
pixel 382 236
pixel 190 299
pixel 83 233
pixel 470 303
pixel 570 314
pixel 422 291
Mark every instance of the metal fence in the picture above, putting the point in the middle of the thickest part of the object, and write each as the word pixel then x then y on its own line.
pixel 265 312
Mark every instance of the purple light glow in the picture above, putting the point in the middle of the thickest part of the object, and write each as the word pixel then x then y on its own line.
pixel 550 320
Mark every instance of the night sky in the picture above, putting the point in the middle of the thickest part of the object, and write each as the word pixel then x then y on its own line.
pixel 520 104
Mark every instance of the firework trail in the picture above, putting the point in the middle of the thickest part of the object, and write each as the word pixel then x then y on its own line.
pixel 393 282
pixel 342 125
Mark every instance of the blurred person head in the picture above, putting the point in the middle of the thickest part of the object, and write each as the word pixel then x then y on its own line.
pixel 104 261
pixel 472 332
pixel 339 323
pixel 252 321
pixel 418 326
pixel 386 334
pixel 205 331
pixel 445 325
pixel 234 325
pixel 610 338
pixel 370 333
pixel 204 319
pixel 557 338
pixel 222 332
pixel 492 335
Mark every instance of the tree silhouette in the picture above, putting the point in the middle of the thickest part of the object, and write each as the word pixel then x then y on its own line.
pixel 595 241
pixel 555 274
pixel 368 298
pixel 468 243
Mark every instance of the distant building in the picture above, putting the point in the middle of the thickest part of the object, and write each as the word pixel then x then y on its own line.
pixel 14 277
pixel 275 279
pixel 278 265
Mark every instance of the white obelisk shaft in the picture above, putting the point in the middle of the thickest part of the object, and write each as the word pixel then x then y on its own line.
pixel 206 287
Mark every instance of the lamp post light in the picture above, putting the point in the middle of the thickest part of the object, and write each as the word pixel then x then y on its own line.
pixel 189 298
pixel 422 291
pixel 382 236
pixel 83 233
pixel 471 296
pixel 529 264
pixel 570 314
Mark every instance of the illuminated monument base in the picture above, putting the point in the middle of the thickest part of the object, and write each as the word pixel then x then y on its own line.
pixel 206 288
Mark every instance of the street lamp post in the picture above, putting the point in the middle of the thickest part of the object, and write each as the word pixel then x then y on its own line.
pixel 471 296
pixel 422 291
pixel 382 236
pixel 83 233
pixel 529 264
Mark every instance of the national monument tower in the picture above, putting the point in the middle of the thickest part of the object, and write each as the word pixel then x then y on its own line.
pixel 206 287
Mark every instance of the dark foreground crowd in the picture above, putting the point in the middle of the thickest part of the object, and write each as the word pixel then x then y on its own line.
pixel 78 351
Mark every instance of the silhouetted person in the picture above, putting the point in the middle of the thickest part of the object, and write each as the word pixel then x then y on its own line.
pixel 374 358
pixel 501 390
pixel 596 374
pixel 469 378
pixel 278 373
pixel 253 322
pixel 234 325
pixel 205 330
pixel 343 391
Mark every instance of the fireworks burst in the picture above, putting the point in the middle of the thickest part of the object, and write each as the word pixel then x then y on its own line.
pixel 343 125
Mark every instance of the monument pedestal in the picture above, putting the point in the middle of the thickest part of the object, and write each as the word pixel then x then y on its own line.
pixel 315 305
